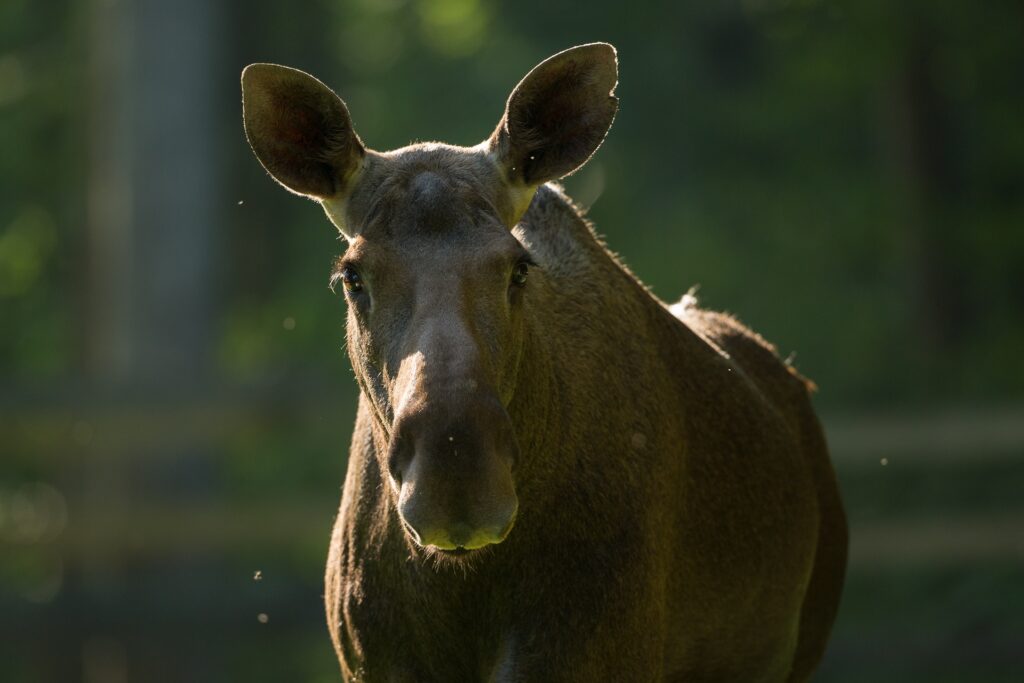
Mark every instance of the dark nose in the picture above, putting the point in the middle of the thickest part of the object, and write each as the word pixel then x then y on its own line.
pixel 454 475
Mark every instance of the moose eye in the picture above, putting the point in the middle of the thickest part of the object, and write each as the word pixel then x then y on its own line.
pixel 520 272
pixel 352 280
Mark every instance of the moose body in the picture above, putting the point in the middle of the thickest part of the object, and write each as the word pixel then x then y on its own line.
pixel 555 477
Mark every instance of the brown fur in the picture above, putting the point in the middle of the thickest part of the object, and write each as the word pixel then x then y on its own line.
pixel 672 510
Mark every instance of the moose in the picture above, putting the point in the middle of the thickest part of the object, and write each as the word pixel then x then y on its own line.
pixel 554 475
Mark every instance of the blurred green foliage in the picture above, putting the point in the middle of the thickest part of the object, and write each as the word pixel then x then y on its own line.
pixel 845 177
pixel 41 175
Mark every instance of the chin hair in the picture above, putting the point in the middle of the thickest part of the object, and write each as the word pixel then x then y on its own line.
pixel 441 561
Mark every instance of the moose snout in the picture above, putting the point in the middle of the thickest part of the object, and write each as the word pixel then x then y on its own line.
pixel 434 526
pixel 454 479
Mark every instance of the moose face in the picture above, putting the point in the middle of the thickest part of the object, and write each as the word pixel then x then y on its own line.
pixel 437 285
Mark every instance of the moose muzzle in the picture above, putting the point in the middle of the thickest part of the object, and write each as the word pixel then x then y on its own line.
pixel 451 463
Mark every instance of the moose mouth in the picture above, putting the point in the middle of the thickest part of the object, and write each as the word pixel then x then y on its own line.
pixel 456 552
pixel 456 559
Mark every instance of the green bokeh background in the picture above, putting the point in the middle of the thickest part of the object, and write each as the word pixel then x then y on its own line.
pixel 175 403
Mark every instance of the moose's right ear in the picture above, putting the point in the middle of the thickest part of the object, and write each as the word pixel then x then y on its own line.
pixel 300 131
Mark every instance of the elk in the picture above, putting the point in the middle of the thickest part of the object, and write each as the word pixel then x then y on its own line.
pixel 554 475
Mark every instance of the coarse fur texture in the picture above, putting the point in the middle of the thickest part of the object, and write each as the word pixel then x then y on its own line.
pixel 558 478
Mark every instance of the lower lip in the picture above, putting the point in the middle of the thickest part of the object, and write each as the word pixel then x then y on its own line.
pixel 458 552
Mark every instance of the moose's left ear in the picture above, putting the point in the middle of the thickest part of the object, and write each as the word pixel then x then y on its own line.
pixel 558 115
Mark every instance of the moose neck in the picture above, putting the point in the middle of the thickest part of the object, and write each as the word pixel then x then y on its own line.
pixel 591 329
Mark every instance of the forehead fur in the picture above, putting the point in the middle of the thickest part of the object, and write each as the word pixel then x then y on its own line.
pixel 428 188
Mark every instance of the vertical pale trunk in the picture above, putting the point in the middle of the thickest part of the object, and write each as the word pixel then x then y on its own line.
pixel 153 201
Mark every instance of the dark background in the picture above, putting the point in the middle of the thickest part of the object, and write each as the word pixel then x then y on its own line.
pixel 175 402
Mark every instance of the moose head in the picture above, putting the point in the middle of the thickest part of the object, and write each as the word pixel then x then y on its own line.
pixel 436 279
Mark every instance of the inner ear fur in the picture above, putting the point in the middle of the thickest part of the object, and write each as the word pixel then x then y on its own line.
pixel 558 115
pixel 300 130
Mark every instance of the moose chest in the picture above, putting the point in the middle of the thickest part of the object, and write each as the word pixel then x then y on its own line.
pixel 520 624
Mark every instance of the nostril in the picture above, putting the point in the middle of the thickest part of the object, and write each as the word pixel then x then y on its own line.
pixel 398 458
pixel 395 479
pixel 395 475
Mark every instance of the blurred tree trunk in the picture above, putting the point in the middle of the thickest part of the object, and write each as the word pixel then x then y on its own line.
pixel 928 166
pixel 155 185
pixel 154 191
pixel 108 339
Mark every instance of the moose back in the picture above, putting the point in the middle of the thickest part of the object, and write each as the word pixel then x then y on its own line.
pixel 554 475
